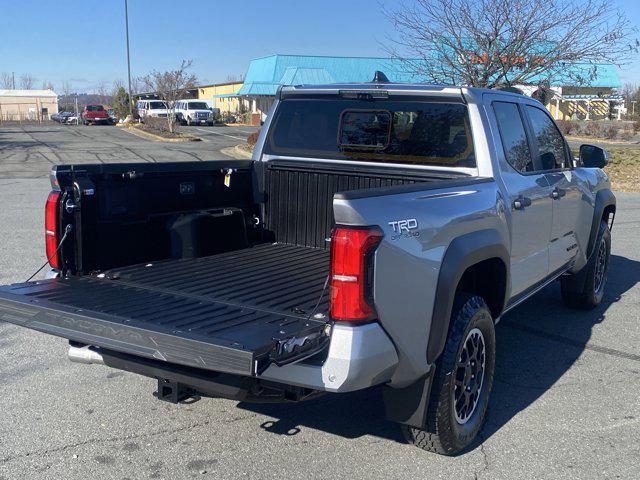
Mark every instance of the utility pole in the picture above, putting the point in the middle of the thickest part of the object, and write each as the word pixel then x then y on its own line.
pixel 126 21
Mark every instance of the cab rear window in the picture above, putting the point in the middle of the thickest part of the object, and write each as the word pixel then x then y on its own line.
pixel 427 133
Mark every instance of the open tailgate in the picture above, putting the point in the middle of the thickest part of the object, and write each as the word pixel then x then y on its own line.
pixel 240 336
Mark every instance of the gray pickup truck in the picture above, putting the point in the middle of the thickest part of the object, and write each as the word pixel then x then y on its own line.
pixel 376 237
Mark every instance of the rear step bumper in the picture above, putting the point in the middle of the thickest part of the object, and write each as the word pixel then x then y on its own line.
pixel 359 357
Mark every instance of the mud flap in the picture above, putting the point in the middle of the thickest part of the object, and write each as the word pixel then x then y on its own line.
pixel 408 405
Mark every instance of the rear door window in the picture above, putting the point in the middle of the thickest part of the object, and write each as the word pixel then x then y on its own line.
pixel 513 136
pixel 390 131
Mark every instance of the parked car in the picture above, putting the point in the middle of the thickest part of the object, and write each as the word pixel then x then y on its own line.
pixel 376 238
pixel 95 114
pixel 71 119
pixel 152 108
pixel 61 117
pixel 194 112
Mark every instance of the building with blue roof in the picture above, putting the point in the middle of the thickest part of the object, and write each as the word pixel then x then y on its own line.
pixel 592 98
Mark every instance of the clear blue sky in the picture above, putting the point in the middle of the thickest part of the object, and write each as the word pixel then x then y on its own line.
pixel 82 41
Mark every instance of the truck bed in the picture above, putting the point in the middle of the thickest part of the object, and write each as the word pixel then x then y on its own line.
pixel 234 312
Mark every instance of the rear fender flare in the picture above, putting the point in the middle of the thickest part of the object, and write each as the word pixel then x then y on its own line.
pixel 408 405
pixel 462 253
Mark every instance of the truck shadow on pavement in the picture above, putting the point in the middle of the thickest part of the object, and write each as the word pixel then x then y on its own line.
pixel 537 343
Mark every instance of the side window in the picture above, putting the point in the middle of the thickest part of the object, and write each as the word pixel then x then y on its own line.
pixel 514 138
pixel 551 147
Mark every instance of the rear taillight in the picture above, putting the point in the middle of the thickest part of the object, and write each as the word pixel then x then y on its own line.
pixel 51 228
pixel 350 262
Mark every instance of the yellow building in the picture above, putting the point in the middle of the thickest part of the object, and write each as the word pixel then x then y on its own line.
pixel 222 96
pixel 585 103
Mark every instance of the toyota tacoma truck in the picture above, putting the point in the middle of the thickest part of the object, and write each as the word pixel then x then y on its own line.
pixel 377 235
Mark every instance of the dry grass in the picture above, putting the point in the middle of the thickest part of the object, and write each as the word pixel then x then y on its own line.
pixel 624 169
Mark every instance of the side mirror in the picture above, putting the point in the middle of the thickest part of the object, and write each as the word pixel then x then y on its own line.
pixel 593 157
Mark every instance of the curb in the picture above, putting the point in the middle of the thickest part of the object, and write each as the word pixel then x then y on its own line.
pixel 151 136
pixel 236 152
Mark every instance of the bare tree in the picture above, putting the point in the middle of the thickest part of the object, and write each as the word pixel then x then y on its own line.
pixel 171 86
pixel 46 85
pixel 631 94
pixel 499 43
pixel 115 86
pixel 137 85
pixel 27 81
pixel 6 80
pixel 101 91
pixel 630 91
pixel 66 88
pixel 65 102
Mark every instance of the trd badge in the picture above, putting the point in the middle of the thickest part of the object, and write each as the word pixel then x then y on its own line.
pixel 404 228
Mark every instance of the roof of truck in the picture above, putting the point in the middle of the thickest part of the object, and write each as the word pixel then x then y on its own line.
pixel 470 95
pixel 417 88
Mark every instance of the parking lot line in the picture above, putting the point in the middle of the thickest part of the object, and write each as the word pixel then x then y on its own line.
pixel 218 133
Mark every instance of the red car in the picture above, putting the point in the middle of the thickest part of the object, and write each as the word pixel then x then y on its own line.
pixel 93 114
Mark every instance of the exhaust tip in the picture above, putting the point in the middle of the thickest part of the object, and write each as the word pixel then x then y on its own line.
pixel 85 355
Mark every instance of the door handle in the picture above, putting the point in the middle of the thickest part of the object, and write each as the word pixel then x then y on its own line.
pixel 521 202
pixel 558 193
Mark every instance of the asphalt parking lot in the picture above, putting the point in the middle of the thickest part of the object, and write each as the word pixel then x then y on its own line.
pixel 28 151
pixel 565 402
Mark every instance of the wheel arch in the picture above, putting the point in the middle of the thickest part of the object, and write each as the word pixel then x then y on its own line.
pixel 477 262
pixel 604 210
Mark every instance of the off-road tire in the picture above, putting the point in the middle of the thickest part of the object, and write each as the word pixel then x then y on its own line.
pixel 443 433
pixel 592 290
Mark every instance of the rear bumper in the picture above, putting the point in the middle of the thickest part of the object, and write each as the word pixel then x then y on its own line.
pixel 359 357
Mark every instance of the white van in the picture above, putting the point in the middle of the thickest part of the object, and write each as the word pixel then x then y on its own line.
pixel 194 112
pixel 152 108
